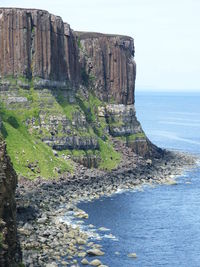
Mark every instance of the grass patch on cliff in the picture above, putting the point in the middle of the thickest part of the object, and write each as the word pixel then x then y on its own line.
pixel 74 112
pixel 109 157
pixel 25 151
pixel 68 108
pixel 79 152
pixel 90 108
pixel 133 137
pixel 30 156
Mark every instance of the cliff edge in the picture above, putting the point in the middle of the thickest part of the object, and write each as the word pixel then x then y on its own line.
pixel 66 95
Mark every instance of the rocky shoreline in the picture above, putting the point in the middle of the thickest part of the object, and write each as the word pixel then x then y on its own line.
pixel 47 240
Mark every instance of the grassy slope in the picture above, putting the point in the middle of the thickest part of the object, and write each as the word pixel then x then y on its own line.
pixel 25 147
pixel 109 157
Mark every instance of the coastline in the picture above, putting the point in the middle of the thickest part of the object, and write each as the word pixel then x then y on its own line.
pixel 43 203
pixel 68 98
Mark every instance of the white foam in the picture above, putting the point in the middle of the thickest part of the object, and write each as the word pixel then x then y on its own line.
pixel 93 233
pixel 120 191
pixel 198 162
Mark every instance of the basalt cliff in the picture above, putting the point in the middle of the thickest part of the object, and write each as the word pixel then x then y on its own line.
pixel 65 93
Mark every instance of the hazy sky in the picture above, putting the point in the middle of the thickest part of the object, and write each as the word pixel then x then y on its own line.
pixel 166 33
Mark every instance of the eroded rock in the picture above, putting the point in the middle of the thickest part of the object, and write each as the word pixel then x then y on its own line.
pixel 10 254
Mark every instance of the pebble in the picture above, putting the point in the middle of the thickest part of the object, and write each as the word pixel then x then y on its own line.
pixel 132 255
pixel 95 262
pixel 85 261
pixel 51 265
pixel 42 220
pixel 95 252
pixel 82 254
pixel 80 241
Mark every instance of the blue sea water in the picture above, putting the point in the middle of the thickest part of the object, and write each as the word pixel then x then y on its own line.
pixel 161 224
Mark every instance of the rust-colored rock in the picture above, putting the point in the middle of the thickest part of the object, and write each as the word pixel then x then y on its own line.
pixel 109 61
pixel 144 148
pixel 34 43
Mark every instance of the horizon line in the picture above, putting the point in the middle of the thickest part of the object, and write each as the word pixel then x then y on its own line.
pixel 167 90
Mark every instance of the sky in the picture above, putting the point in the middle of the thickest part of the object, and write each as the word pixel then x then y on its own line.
pixel 166 34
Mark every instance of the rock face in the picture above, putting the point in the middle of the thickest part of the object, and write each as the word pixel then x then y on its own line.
pixel 109 61
pixel 72 142
pixel 9 247
pixel 121 119
pixel 35 43
pixel 39 52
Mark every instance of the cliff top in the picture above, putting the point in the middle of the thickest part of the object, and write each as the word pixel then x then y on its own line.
pixel 22 8
pixel 86 35
pixel 81 34
pixel 27 10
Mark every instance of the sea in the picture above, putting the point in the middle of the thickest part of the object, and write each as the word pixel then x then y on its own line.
pixel 160 224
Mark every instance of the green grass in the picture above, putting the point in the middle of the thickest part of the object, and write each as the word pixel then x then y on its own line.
pixel 22 146
pixel 133 137
pixel 68 108
pixel 79 153
pixel 73 152
pixel 13 80
pixel 79 43
pixel 109 157
pixel 10 79
pixel 90 108
pixel 24 149
pixel 72 111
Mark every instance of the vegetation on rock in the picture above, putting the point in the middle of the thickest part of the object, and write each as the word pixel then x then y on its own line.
pixel 24 130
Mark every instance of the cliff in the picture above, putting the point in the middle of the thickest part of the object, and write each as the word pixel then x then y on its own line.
pixel 35 43
pixel 110 60
pixel 9 248
pixel 67 91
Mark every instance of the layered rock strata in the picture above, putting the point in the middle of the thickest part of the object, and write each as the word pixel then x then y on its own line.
pixel 107 61
pixel 121 119
pixel 40 52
